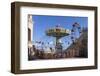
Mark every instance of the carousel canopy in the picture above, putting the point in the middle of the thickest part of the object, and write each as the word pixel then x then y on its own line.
pixel 58 32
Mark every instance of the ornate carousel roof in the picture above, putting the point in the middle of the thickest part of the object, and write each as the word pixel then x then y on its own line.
pixel 58 32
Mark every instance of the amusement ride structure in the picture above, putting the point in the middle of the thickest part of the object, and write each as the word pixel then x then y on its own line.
pixel 58 32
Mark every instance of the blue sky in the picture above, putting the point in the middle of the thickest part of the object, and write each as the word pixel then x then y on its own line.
pixel 44 22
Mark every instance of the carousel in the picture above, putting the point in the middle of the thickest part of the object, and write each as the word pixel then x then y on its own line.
pixel 58 33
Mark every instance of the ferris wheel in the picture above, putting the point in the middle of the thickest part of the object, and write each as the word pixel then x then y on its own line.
pixel 76 28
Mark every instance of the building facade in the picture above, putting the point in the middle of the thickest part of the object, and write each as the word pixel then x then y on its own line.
pixel 30 35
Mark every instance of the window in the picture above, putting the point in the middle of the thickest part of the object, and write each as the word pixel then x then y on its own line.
pixel 29 34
